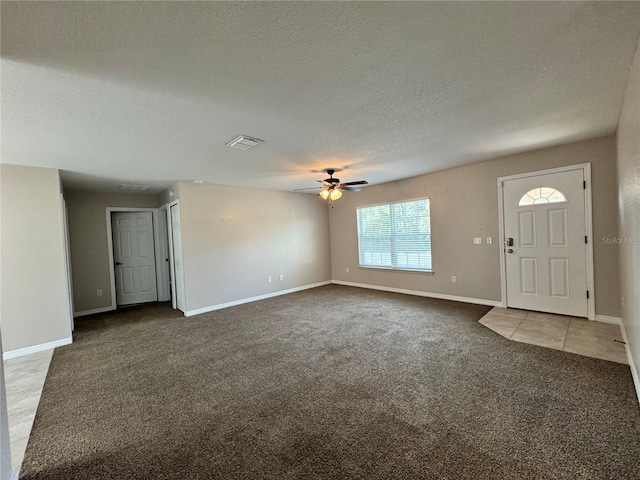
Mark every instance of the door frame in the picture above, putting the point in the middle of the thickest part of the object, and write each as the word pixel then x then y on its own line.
pixel 586 169
pixel 172 264
pixel 154 215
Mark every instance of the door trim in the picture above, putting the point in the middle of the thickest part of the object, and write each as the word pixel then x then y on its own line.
pixel 172 264
pixel 112 275
pixel 586 168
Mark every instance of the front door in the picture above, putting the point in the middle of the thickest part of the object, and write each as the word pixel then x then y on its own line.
pixel 545 243
pixel 134 257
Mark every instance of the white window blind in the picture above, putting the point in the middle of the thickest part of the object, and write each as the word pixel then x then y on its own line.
pixel 396 235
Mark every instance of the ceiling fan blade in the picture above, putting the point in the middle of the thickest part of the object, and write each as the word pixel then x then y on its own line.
pixel 360 182
pixel 325 183
pixel 300 189
pixel 350 189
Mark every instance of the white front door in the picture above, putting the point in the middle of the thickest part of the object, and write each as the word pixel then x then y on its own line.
pixel 545 243
pixel 134 257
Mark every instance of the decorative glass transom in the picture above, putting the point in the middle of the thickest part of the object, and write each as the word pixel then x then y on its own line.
pixel 542 195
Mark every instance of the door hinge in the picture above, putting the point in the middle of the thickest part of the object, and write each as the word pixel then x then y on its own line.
pixel 584 184
pixel 586 239
pixel 587 293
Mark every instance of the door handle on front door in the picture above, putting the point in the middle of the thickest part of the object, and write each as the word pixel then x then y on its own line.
pixel 118 263
pixel 509 242
pixel 510 250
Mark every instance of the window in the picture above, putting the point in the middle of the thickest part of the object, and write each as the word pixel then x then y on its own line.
pixel 542 195
pixel 395 235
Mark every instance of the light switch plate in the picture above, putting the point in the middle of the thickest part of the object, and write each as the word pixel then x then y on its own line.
pixel 477 240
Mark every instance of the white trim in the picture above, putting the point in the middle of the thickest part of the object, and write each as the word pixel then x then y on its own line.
pixel 591 286
pixel 172 260
pixel 608 319
pixel 586 169
pixel 84 313
pixel 442 296
pixel 502 240
pixel 220 306
pixel 36 348
pixel 632 363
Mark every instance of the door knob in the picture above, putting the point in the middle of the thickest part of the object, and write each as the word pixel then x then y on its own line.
pixel 510 250
pixel 118 263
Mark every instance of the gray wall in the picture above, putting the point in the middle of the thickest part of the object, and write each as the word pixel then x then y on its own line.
pixel 629 198
pixel 234 238
pixel 35 307
pixel 89 247
pixel 464 204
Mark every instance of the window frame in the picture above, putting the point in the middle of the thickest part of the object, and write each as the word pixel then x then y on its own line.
pixel 427 271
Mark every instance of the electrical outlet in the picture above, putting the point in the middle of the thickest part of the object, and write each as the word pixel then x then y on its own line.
pixel 268 279
pixel 347 269
pixel 477 240
pixel 281 277
pixel 489 240
pixel 99 293
pixel 454 279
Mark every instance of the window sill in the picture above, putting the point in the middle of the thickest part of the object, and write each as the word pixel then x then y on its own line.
pixel 391 269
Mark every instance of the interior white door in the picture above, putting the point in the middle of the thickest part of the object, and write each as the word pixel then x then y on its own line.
pixel 546 251
pixel 164 282
pixel 178 270
pixel 134 257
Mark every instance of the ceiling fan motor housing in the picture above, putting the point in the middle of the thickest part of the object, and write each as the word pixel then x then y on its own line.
pixel 332 180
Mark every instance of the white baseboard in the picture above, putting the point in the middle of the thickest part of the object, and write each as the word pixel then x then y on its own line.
pixel 608 319
pixel 36 348
pixel 632 363
pixel 442 296
pixel 220 306
pixel 94 311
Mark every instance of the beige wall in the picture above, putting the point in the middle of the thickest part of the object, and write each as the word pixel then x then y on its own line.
pixel 89 243
pixel 35 308
pixel 234 238
pixel 169 195
pixel 629 206
pixel 464 204
pixel 5 452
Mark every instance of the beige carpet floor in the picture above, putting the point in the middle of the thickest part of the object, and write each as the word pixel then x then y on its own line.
pixel 330 383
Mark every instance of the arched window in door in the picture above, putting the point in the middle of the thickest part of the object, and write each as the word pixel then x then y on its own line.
pixel 541 195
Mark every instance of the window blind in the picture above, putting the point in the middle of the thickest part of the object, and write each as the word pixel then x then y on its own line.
pixel 395 235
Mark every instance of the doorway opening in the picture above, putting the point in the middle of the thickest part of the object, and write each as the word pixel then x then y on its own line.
pixel 138 255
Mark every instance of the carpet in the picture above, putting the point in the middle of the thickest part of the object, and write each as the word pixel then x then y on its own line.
pixel 330 383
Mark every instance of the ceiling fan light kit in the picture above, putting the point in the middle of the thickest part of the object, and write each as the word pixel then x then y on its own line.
pixel 332 188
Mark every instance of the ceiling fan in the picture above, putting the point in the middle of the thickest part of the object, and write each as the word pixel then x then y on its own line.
pixel 332 188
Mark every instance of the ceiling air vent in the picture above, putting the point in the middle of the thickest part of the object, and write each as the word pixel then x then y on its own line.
pixel 134 188
pixel 244 142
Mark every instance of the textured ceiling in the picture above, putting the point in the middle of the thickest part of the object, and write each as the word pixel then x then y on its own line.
pixel 150 92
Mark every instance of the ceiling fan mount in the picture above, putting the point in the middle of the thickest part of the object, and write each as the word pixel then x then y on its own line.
pixel 331 180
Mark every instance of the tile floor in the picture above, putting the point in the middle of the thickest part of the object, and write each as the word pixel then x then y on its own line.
pixel 569 334
pixel 24 376
pixel 24 379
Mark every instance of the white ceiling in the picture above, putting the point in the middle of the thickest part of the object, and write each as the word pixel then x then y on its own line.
pixel 150 92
